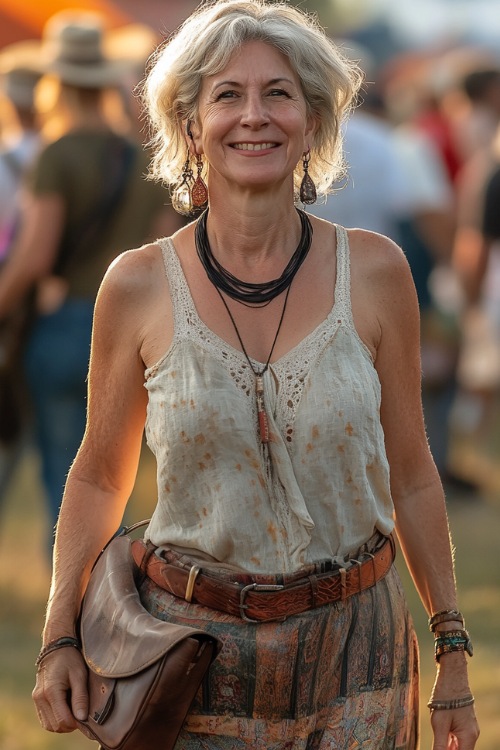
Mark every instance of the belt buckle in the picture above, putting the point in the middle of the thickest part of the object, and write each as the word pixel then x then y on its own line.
pixel 193 575
pixel 255 587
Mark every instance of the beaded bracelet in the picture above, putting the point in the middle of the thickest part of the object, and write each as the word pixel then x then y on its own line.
pixel 445 615
pixel 56 644
pixel 468 700
pixel 448 641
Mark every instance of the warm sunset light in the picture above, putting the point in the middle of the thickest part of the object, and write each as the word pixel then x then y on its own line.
pixel 33 14
pixel 236 511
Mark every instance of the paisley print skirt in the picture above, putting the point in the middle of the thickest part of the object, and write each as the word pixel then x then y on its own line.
pixel 340 677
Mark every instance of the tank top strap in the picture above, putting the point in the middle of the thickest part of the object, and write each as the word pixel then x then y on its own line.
pixel 183 307
pixel 343 281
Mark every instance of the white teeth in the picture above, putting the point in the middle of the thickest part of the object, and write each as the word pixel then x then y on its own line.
pixel 253 146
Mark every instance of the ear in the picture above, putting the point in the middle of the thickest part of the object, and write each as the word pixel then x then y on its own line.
pixel 310 131
pixel 192 136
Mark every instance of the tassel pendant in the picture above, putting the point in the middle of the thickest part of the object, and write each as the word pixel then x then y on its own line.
pixel 261 412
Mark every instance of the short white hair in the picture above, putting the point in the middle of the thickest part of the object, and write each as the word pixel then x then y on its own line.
pixel 204 45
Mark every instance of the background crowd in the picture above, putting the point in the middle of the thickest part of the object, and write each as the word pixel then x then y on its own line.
pixel 423 151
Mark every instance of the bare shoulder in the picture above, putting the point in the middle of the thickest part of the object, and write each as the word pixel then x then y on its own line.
pixel 134 301
pixel 382 287
pixel 133 272
pixel 376 253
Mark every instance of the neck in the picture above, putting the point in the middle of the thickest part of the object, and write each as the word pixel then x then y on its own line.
pixel 252 229
pixel 245 290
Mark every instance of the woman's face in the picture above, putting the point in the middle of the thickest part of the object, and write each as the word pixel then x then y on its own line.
pixel 253 125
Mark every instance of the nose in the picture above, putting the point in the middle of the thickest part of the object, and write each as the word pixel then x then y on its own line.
pixel 254 113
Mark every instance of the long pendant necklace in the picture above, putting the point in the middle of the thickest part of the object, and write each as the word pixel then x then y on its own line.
pixel 259 374
pixel 253 295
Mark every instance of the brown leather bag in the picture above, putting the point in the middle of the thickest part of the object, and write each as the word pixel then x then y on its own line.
pixel 143 673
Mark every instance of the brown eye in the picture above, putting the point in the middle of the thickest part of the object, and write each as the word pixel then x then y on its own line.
pixel 226 95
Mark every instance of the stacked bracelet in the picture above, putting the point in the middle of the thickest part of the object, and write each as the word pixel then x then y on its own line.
pixel 451 640
pixel 56 644
pixel 468 700
pixel 445 615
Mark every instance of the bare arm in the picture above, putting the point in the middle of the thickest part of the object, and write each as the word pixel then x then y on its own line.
pixel 35 251
pixel 420 512
pixel 101 478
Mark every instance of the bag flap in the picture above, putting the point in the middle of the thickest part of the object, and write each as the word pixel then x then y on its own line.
pixel 119 636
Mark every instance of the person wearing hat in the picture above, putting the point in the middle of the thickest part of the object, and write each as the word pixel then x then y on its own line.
pixel 87 199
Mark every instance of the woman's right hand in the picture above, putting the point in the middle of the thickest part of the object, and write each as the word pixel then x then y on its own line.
pixel 60 693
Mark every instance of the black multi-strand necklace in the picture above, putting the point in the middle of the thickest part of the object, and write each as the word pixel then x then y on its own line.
pixel 253 295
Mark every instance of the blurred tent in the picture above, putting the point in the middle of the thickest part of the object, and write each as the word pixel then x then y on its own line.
pixel 26 19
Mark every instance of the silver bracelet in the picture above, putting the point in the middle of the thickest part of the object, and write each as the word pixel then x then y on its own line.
pixel 468 700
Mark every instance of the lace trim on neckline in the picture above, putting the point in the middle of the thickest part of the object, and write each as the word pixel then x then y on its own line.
pixel 291 369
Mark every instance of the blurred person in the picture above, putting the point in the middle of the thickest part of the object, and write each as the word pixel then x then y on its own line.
pixel 419 94
pixel 459 103
pixel 20 139
pixel 374 195
pixel 415 87
pixel 87 197
pixel 273 359
pixel 487 272
pixel 427 236
pixel 479 364
pixel 477 256
pixel 478 125
pixel 19 75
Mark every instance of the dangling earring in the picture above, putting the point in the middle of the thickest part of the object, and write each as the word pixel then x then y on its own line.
pixel 182 200
pixel 199 191
pixel 307 191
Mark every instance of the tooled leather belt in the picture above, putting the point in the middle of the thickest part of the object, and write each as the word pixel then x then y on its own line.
pixel 265 602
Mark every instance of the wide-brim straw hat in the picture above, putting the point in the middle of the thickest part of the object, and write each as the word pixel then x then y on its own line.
pixel 74 50
pixel 20 71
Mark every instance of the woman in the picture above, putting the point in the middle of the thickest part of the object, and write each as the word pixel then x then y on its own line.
pixel 87 197
pixel 266 404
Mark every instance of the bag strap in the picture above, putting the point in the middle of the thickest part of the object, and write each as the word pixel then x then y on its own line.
pixel 129 529
pixel 150 548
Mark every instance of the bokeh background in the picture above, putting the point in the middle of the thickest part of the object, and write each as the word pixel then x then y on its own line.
pixel 415 39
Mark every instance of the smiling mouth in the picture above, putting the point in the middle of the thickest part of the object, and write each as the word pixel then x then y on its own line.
pixel 253 146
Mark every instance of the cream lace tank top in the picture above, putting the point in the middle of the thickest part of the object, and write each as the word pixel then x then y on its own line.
pixel 319 490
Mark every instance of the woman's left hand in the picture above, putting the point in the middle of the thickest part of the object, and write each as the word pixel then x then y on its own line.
pixel 454 729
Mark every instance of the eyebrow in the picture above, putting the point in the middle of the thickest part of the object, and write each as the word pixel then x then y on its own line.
pixel 269 83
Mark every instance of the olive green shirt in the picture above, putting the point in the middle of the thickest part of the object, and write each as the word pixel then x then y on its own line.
pixel 80 167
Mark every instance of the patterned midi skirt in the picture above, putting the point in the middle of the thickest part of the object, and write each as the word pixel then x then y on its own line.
pixel 339 677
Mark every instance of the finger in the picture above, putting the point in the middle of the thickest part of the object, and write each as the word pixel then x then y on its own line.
pixel 441 726
pixel 454 729
pixel 43 706
pixel 63 716
pixel 52 690
pixel 79 695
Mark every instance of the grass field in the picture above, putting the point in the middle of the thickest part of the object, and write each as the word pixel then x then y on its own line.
pixel 24 578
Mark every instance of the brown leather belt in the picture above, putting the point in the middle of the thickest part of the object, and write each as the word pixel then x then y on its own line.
pixel 264 602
